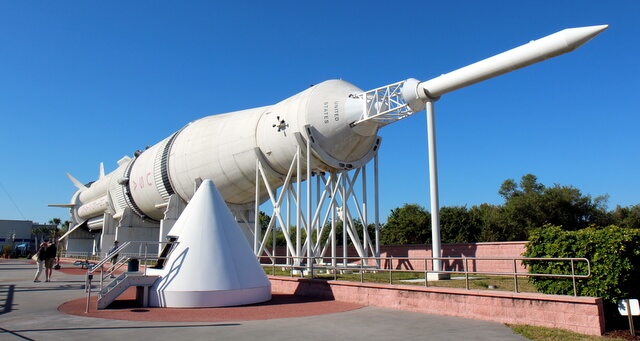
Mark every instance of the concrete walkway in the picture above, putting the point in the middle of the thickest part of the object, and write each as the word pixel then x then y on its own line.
pixel 29 311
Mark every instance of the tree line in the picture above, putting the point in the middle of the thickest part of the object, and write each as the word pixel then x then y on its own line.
pixel 53 230
pixel 527 205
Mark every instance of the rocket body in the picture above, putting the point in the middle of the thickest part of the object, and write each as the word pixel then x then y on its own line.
pixel 335 118
pixel 534 52
pixel 225 147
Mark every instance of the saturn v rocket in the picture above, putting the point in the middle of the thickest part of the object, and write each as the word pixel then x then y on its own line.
pixel 335 120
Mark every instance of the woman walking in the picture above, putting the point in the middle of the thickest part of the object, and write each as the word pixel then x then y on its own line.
pixel 40 260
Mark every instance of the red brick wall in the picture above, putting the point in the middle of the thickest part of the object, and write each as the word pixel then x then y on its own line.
pixel 409 257
pixel 507 250
pixel 578 314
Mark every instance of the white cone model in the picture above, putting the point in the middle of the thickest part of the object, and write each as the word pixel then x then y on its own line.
pixel 212 264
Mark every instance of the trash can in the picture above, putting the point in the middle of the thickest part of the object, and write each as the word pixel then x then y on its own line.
pixel 133 265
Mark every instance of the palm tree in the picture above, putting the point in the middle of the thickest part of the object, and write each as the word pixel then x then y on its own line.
pixel 39 232
pixel 49 231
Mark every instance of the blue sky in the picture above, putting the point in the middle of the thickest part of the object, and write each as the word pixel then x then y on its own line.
pixel 84 82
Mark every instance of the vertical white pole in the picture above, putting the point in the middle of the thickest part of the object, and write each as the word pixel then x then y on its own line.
pixel 343 215
pixel 288 222
pixel 365 221
pixel 256 207
pixel 310 251
pixel 433 186
pixel 297 206
pixel 376 204
pixel 333 208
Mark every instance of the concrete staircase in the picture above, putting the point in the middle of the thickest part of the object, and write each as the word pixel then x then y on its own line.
pixel 123 282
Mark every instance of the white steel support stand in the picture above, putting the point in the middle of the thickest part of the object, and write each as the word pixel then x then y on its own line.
pixel 310 250
pixel 376 208
pixel 436 249
pixel 258 227
pixel 365 230
pixel 336 198
pixel 334 217
pixel 343 216
pixel 299 252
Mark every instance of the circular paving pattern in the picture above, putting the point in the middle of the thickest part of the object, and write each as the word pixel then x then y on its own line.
pixel 280 306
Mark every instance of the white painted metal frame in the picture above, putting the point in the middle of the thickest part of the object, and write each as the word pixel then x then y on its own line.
pixel 385 105
pixel 336 196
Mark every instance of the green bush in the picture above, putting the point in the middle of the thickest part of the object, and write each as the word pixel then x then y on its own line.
pixel 7 251
pixel 614 254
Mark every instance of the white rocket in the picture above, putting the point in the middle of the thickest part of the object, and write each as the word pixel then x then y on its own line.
pixel 338 120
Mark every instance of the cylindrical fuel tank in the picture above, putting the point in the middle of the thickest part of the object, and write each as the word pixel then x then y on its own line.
pixel 322 114
pixel 224 148
pixel 92 201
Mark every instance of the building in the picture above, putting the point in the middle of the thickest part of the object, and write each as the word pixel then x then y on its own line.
pixel 17 236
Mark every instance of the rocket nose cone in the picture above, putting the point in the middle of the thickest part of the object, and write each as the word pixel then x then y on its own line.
pixel 575 37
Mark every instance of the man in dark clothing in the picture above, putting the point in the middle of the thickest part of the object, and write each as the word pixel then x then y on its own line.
pixel 114 256
pixel 50 254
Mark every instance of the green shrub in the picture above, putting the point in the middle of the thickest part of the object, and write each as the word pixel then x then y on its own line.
pixel 614 254
pixel 7 251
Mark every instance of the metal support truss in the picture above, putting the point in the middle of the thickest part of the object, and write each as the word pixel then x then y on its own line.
pixel 384 105
pixel 340 198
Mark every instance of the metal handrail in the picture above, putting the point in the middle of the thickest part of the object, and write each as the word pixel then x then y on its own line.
pixel 106 258
pixel 362 264
pixel 142 255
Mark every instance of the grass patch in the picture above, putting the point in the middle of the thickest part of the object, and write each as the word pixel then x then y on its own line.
pixel 551 334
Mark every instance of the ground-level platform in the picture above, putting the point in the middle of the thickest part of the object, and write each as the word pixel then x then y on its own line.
pixel 55 311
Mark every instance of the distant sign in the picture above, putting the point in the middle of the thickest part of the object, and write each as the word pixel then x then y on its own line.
pixel 633 306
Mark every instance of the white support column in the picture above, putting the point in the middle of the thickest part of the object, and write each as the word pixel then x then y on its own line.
pixel 175 207
pixel 365 232
pixel 376 208
pixel 433 187
pixel 343 216
pixel 256 242
pixel 334 238
pixel 310 249
pixel 298 217
pixel 285 229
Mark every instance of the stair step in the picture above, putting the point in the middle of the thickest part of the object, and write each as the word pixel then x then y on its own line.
pixel 121 284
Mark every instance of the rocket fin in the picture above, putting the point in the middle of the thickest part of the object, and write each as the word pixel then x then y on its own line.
pixel 76 183
pixel 62 205
pixel 82 224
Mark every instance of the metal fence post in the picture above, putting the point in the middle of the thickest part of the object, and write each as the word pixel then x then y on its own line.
pixel 466 272
pixel 573 278
pixel 390 262
pixel 515 275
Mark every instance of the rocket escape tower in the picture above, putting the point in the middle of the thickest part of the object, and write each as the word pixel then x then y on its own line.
pixel 312 156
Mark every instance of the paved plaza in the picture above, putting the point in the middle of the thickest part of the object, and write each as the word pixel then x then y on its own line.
pixel 30 311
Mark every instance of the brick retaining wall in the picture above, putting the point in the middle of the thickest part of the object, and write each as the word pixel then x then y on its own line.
pixel 479 250
pixel 578 314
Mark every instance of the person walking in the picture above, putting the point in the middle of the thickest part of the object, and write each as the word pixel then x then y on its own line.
pixel 40 260
pixel 50 258
pixel 114 256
